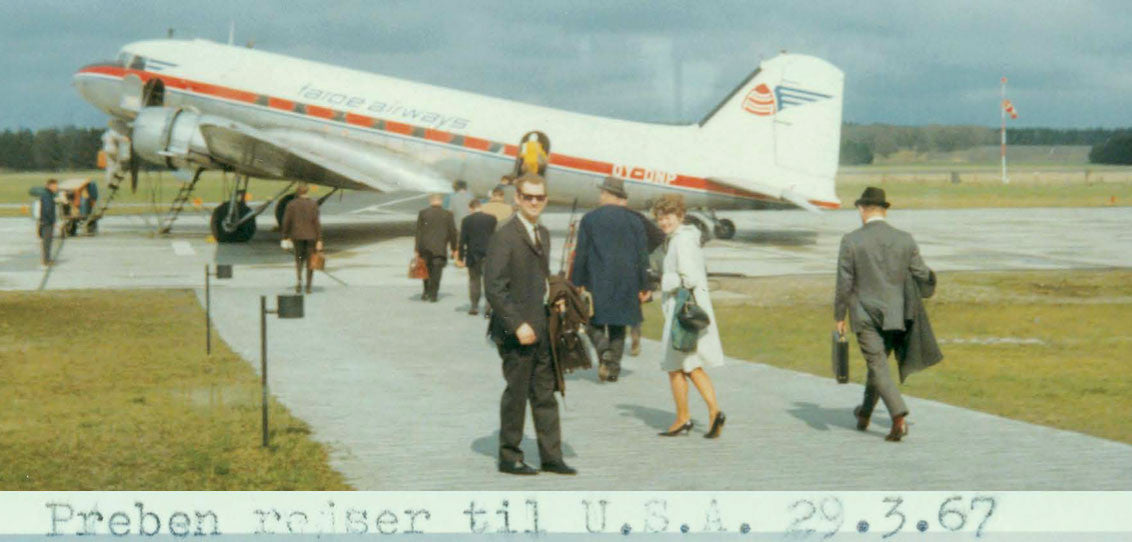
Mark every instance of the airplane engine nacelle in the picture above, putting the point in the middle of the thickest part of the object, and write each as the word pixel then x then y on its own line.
pixel 171 136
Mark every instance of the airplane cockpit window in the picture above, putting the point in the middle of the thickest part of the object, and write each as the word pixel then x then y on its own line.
pixel 123 59
pixel 138 63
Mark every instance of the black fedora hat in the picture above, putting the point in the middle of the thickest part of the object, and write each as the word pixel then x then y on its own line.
pixel 614 186
pixel 872 196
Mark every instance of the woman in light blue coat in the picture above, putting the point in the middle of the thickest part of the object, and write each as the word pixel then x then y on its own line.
pixel 684 268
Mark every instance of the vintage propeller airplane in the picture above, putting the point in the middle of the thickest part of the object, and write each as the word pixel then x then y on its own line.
pixel 194 105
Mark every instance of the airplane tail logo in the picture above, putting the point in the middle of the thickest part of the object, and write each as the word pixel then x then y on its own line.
pixel 761 102
pixel 780 125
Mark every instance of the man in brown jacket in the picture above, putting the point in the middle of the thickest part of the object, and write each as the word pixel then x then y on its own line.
pixel 302 228
pixel 498 206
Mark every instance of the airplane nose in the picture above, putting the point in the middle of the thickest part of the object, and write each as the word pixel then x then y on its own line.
pixel 98 85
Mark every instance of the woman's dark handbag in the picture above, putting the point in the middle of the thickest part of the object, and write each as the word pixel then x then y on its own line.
pixel 840 357
pixel 691 315
pixel 690 322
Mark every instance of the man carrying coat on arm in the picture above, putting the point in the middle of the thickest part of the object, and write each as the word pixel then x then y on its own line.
pixel 611 262
pixel 516 271
pixel 875 264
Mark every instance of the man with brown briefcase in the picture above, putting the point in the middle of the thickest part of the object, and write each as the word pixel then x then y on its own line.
pixel 302 228
pixel 435 238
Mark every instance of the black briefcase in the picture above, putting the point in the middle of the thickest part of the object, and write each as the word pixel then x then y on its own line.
pixel 840 357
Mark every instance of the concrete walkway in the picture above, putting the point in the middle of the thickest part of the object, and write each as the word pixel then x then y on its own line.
pixel 406 393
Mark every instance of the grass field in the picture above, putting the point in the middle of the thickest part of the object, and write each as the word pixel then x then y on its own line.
pixel 911 185
pixel 112 390
pixel 920 187
pixel 1051 348
pixel 155 190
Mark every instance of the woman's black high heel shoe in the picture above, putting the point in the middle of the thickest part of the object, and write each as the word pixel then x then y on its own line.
pixel 716 425
pixel 686 428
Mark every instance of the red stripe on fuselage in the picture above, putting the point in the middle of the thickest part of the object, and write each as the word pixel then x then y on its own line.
pixel 477 143
pixel 280 103
pixel 572 162
pixel 359 120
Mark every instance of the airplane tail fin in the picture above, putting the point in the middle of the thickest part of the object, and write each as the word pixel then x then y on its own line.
pixel 781 127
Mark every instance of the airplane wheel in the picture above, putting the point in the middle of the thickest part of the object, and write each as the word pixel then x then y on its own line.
pixel 705 234
pixel 281 207
pixel 92 228
pixel 72 228
pixel 243 232
pixel 725 229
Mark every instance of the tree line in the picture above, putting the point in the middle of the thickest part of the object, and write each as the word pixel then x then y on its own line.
pixel 50 149
pixel 74 148
pixel 861 143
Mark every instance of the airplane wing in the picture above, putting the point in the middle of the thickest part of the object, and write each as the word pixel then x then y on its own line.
pixel 318 159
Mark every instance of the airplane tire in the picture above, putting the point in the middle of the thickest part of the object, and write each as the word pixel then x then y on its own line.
pixel 724 229
pixel 705 234
pixel 281 207
pixel 243 233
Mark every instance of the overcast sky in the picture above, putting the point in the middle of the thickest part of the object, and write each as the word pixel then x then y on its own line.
pixel 1069 64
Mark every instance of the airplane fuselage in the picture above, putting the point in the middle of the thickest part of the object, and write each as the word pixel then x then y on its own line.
pixel 458 134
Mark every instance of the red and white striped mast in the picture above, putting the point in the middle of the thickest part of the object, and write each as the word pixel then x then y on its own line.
pixel 1002 132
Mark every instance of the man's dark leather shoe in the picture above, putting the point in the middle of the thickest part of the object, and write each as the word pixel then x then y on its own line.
pixel 516 467
pixel 559 468
pixel 862 421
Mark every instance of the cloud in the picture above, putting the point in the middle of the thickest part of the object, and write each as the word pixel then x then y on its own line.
pixel 905 62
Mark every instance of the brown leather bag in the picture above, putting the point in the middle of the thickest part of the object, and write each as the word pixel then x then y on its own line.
pixel 317 261
pixel 418 269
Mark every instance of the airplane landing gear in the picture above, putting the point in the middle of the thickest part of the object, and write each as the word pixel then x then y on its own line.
pixel 721 228
pixel 281 206
pixel 226 230
pixel 233 221
pixel 724 229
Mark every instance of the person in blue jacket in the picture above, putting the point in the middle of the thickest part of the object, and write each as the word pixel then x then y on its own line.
pixel 611 262
pixel 46 222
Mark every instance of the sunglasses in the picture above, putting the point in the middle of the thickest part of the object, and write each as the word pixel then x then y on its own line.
pixel 533 198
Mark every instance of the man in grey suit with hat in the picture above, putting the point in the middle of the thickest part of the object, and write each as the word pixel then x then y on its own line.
pixel 874 264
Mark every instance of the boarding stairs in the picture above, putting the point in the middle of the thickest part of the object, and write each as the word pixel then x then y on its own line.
pixel 179 201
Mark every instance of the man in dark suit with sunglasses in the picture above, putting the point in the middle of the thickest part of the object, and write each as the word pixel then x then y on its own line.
pixel 516 271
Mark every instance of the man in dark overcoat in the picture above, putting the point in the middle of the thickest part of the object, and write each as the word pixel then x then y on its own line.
pixel 436 234
pixel 516 272
pixel 611 262
pixel 475 232
pixel 874 264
